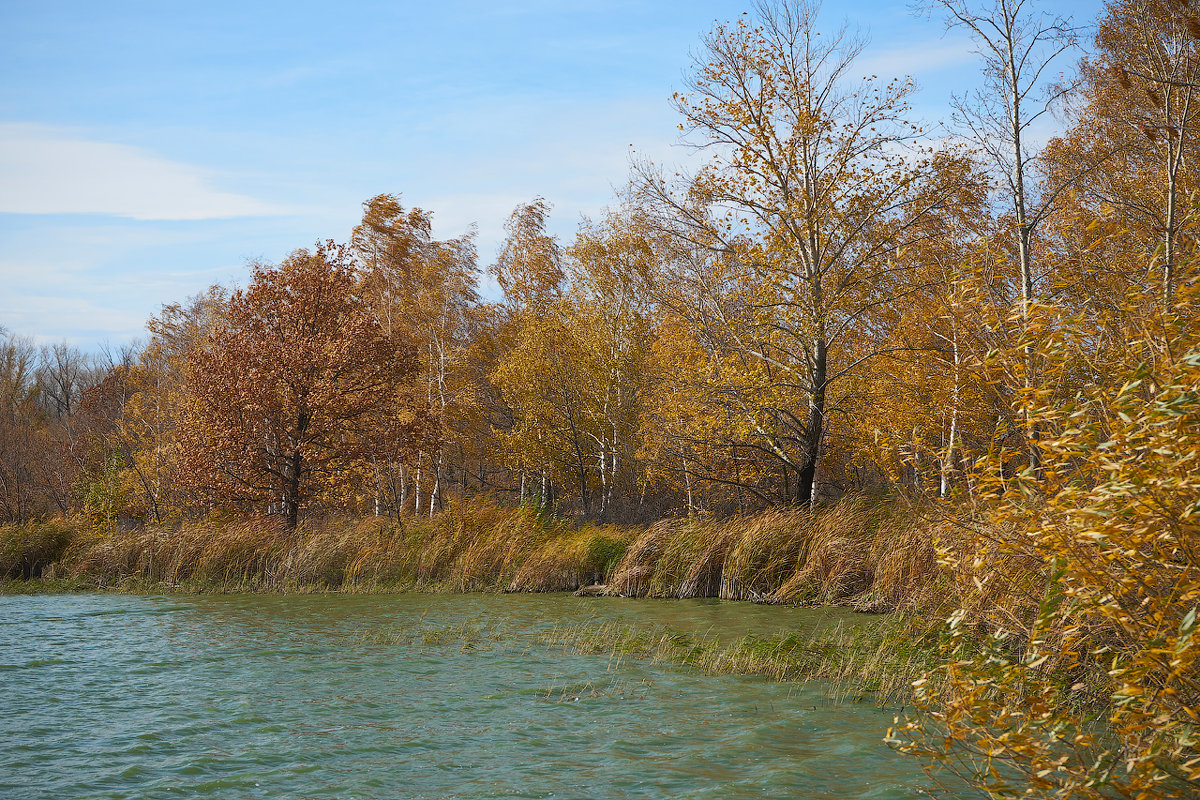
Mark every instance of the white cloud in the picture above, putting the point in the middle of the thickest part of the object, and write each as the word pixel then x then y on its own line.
pixel 44 171
pixel 918 59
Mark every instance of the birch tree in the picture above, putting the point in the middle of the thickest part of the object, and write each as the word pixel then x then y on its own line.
pixel 1019 46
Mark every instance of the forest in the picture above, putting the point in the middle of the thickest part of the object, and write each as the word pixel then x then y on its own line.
pixel 987 341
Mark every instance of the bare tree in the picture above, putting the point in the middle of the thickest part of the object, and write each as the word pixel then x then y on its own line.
pixel 1018 45
pixel 64 372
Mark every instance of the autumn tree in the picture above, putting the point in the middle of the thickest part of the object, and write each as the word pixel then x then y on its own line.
pixel 424 291
pixel 146 432
pixel 63 374
pixel 807 197
pixel 611 264
pixel 297 384
pixel 572 378
pixel 1018 45
pixel 529 267
pixel 542 438
pixel 921 412
pixel 102 478
pixel 1135 127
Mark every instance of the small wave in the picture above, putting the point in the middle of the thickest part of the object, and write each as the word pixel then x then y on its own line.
pixel 37 663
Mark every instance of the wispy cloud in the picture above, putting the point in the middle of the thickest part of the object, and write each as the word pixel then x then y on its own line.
pixel 918 58
pixel 46 171
pixel 96 321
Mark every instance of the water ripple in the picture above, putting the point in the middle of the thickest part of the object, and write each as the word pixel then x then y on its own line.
pixel 247 696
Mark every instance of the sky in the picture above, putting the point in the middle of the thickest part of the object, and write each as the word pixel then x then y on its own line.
pixel 151 149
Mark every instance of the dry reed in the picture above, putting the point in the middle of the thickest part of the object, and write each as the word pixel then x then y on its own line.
pixel 871 556
pixel 472 547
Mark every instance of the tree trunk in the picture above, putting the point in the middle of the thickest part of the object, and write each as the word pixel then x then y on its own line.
pixel 417 488
pixel 291 492
pixel 814 430
pixel 435 495
pixel 1168 280
pixel 948 455
pixel 687 483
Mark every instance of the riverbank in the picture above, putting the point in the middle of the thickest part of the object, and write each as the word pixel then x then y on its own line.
pixel 868 556
pixel 858 555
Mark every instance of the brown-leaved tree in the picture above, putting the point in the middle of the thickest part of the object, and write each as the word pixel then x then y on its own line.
pixel 296 386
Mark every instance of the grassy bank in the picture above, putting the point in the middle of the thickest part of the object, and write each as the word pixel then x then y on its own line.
pixel 472 548
pixel 872 557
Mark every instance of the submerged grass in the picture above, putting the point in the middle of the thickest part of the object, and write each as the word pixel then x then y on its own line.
pixel 876 661
pixel 613 689
pixel 465 636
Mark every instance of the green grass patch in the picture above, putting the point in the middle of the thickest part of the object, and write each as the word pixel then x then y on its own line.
pixel 876 661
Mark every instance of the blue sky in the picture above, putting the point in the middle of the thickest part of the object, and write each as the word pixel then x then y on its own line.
pixel 149 149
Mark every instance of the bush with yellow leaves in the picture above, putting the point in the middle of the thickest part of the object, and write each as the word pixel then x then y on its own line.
pixel 1093 690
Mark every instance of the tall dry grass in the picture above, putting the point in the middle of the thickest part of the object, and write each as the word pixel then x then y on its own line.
pixel 869 555
pixel 469 548
pixel 873 556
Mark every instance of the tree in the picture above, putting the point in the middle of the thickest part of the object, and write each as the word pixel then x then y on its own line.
pixel 1135 128
pixel 426 290
pixel 1018 47
pixel 146 433
pixel 806 203
pixel 535 375
pixel 1113 625
pixel 63 375
pixel 297 384
pixel 18 427
pixel 610 263
pixel 529 268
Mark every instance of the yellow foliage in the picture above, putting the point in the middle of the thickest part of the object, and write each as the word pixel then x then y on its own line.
pixel 1090 687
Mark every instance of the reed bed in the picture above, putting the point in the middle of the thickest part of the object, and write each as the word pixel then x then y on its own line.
pixel 868 555
pixel 474 547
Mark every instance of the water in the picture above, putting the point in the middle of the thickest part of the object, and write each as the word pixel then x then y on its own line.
pixel 111 696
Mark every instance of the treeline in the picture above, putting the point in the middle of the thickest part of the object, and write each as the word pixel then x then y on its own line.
pixel 826 305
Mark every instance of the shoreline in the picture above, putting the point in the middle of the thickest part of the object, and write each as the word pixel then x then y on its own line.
pixel 858 554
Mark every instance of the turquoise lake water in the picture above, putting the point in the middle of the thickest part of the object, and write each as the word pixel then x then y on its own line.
pixel 340 696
